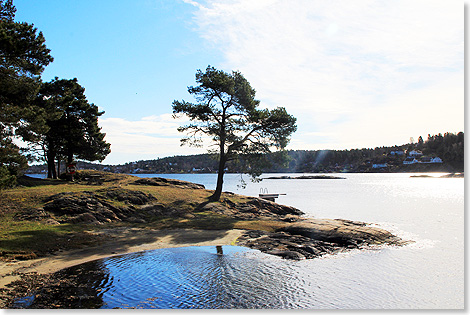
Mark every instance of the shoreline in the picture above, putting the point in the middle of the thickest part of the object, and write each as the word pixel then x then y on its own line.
pixel 124 240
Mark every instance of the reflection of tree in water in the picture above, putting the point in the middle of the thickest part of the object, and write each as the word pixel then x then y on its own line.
pixel 237 283
pixel 220 283
pixel 80 286
pixel 213 281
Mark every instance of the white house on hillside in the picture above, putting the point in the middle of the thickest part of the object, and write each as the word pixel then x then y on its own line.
pixel 427 159
pixel 415 153
pixel 410 160
pixel 379 165
pixel 397 152
pixel 422 160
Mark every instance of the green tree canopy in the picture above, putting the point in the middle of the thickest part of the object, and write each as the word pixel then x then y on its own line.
pixel 23 56
pixel 227 113
pixel 72 122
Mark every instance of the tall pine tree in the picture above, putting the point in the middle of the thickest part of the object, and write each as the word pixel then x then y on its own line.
pixel 23 56
pixel 227 113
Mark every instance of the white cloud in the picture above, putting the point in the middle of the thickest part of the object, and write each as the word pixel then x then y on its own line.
pixel 148 138
pixel 356 74
pixel 349 70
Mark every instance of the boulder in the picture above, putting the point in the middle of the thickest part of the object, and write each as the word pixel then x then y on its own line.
pixel 268 206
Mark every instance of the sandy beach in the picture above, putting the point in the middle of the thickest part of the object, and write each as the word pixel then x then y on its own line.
pixel 122 240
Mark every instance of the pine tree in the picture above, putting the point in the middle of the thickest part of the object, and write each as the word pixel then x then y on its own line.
pixel 23 56
pixel 72 122
pixel 227 113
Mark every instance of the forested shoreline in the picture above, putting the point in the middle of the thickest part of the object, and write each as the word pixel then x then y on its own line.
pixel 449 147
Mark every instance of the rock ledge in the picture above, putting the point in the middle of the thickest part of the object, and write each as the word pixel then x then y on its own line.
pixel 312 238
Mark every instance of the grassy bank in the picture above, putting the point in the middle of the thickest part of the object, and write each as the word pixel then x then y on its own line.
pixel 30 238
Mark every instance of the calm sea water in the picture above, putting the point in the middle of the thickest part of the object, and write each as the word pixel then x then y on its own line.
pixel 428 274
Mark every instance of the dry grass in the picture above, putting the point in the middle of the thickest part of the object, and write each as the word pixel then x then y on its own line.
pixel 28 238
pixel 174 195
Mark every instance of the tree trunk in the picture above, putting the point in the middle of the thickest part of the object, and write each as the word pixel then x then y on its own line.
pixel 58 166
pixel 51 171
pixel 222 159
pixel 220 180
pixel 69 158
pixel 69 161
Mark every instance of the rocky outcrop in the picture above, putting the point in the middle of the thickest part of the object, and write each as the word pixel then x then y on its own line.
pixel 99 207
pixel 341 232
pixel 119 204
pixel 129 196
pixel 159 181
pixel 253 209
pixel 453 175
pixel 85 207
pixel 313 238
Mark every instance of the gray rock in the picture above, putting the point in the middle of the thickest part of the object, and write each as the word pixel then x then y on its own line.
pixel 131 196
pixel 287 254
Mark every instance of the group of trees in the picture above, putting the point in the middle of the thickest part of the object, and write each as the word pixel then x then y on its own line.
pixel 72 125
pixel 449 147
pixel 53 118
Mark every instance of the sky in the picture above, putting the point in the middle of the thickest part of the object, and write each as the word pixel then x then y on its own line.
pixel 355 74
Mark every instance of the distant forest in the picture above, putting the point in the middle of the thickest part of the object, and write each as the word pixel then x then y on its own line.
pixel 448 147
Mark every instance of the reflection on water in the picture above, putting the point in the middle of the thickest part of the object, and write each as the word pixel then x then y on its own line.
pixel 181 278
pixel 195 277
pixel 203 278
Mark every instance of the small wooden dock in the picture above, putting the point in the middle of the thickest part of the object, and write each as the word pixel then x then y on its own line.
pixel 270 197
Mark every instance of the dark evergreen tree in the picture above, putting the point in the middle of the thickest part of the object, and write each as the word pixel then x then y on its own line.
pixel 227 113
pixel 72 122
pixel 23 56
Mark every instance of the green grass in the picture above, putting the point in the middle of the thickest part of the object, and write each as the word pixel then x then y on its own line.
pixel 30 239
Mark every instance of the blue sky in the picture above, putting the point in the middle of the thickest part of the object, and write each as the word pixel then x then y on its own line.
pixel 356 74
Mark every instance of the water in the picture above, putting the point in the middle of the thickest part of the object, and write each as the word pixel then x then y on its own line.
pixel 429 274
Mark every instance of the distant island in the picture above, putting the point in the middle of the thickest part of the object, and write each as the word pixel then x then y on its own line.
pixel 452 175
pixel 305 177
pixel 439 153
